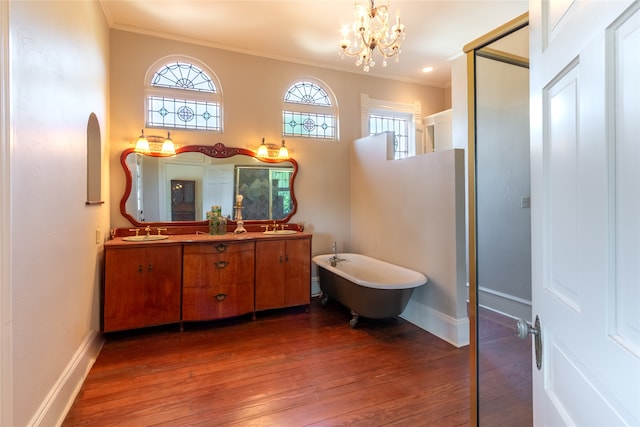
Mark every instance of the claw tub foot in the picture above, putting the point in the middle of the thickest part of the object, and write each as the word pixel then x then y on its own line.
pixel 324 299
pixel 354 320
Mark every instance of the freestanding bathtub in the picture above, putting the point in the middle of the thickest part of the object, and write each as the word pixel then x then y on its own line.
pixel 367 286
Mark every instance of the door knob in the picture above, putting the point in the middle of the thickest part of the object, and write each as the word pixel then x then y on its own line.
pixel 524 329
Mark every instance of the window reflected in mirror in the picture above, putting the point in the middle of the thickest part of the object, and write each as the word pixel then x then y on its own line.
pixel 265 191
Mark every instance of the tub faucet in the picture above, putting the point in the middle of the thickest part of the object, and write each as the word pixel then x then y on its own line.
pixel 334 260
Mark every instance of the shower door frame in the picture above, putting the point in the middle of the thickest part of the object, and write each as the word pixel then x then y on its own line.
pixel 470 50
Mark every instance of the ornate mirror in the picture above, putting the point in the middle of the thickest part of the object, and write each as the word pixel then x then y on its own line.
pixel 180 189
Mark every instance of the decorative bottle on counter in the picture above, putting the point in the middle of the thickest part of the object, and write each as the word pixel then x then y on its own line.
pixel 214 222
pixel 217 223
pixel 222 225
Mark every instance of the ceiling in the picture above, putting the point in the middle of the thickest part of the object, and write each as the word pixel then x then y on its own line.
pixel 308 32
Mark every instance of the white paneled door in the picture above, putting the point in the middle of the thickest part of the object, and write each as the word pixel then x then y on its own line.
pixel 585 186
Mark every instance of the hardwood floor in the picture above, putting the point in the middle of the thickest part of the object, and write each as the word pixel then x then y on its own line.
pixel 287 368
pixel 505 393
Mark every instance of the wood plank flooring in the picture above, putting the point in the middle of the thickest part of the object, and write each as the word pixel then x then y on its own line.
pixel 287 368
pixel 504 385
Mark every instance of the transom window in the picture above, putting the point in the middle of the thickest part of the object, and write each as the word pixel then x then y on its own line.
pixel 308 111
pixel 182 95
pixel 307 93
pixel 183 76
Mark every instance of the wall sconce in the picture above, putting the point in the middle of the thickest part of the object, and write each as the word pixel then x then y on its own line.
pixel 263 150
pixel 284 151
pixel 155 144
pixel 142 145
pixel 273 151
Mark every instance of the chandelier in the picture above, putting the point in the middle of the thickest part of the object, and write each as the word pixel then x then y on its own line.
pixel 370 31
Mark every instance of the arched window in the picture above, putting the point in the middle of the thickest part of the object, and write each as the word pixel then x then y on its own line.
pixel 309 110
pixel 182 94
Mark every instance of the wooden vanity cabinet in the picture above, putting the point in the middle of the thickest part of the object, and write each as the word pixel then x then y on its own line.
pixel 142 286
pixel 283 273
pixel 188 279
pixel 217 280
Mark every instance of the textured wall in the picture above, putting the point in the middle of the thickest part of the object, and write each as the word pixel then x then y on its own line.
pixel 59 64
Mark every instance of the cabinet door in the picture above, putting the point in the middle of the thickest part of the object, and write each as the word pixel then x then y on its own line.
pixel 162 284
pixel 124 290
pixel 142 287
pixel 297 272
pixel 270 274
pixel 283 273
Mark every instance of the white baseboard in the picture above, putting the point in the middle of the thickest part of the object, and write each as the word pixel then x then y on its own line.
pixel 454 331
pixel 54 408
pixel 505 304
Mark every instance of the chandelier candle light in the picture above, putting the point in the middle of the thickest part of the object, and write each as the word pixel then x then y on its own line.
pixel 370 31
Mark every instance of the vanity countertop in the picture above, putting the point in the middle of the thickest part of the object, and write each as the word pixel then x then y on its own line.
pixel 179 239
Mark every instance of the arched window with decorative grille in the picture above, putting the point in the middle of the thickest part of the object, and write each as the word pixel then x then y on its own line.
pixel 182 93
pixel 309 110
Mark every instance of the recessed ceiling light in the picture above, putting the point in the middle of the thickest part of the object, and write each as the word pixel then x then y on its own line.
pixel 427 69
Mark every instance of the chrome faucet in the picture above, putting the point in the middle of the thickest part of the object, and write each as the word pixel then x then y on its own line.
pixel 334 260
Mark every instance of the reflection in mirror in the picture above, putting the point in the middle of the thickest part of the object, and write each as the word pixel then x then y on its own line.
pixel 185 187
pixel 502 228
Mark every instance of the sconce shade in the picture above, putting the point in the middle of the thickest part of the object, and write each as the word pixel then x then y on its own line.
pixel 168 148
pixel 263 151
pixel 284 151
pixel 142 145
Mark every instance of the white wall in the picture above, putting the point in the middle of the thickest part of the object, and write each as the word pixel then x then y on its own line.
pixel 460 129
pixel 58 71
pixel 410 212
pixel 438 131
pixel 5 225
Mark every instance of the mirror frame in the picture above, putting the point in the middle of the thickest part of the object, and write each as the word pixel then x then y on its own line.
pixel 217 151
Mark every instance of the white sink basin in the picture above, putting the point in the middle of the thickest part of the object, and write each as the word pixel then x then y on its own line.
pixel 145 238
pixel 280 232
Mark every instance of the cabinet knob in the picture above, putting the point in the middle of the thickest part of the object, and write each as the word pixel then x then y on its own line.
pixel 220 297
pixel 221 264
pixel 221 247
pixel 140 268
pixel 150 267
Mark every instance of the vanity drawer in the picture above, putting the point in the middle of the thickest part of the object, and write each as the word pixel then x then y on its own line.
pixel 207 269
pixel 219 248
pixel 217 301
